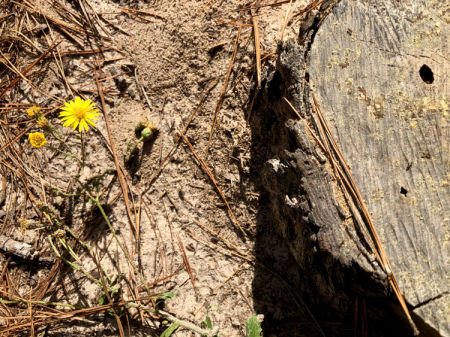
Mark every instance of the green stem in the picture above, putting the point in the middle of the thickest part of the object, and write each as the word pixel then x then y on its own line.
pixel 59 137
pixel 136 144
pixel 83 150
pixel 70 154
pixel 111 228
pixel 73 265
pixel 86 246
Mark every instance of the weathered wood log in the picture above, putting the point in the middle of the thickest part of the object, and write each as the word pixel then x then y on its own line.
pixel 380 72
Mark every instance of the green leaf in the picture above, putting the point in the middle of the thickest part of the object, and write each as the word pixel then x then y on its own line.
pixel 170 330
pixel 113 291
pixel 165 296
pixel 253 327
pixel 102 298
pixel 208 322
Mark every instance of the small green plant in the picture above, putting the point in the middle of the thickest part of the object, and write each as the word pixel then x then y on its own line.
pixel 207 322
pixel 165 296
pixel 146 132
pixel 113 287
pixel 253 327
pixel 170 330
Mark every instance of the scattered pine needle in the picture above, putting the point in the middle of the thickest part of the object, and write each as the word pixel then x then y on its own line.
pixel 273 4
pixel 28 68
pixel 177 142
pixel 380 252
pixel 82 52
pixel 211 176
pixel 122 180
pixel 186 262
pixel 257 50
pixel 286 20
pixel 125 9
pixel 313 5
pixel 224 89
pixel 214 292
pixel 225 241
pixel 235 23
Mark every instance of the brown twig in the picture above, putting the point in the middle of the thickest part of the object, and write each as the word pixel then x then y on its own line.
pixel 177 142
pixel 120 175
pixel 186 262
pixel 211 176
pixel 224 89
pixel 257 50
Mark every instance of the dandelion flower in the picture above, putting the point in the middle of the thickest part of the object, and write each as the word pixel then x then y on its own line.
pixel 79 113
pixel 37 139
pixel 33 111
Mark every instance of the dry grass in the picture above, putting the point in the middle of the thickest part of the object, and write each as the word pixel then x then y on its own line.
pixel 27 183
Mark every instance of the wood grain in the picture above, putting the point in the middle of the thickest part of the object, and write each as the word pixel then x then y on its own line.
pixel 380 71
pixel 393 128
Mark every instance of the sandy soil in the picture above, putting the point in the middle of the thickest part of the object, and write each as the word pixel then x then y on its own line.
pixel 162 62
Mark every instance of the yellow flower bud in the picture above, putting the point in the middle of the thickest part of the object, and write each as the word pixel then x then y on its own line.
pixel 32 111
pixel 43 123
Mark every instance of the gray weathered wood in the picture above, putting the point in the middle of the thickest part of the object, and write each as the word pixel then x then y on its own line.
pixel 393 129
pixel 362 59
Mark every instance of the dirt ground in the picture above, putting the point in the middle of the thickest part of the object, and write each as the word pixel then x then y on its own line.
pixel 175 64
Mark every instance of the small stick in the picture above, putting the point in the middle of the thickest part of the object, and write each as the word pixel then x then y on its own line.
pixel 17 248
pixel 224 88
pixel 211 176
pixel 186 262
pixel 257 50
pixel 122 181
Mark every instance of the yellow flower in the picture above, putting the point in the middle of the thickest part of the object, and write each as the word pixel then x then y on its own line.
pixel 33 111
pixel 43 123
pixel 37 139
pixel 79 113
